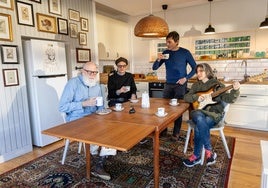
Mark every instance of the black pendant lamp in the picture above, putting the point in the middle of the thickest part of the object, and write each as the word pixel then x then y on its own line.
pixel 151 27
pixel 210 29
pixel 264 24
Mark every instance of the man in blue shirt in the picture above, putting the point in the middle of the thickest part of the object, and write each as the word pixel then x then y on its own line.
pixel 78 100
pixel 176 60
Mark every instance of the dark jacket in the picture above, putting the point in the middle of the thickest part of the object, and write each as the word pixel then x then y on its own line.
pixel 115 82
pixel 213 110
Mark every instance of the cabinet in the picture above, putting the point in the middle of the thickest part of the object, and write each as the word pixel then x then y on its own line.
pixel 113 38
pixel 251 108
pixel 142 87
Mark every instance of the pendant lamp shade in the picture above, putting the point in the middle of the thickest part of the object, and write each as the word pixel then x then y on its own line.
pixel 264 24
pixel 210 29
pixel 151 27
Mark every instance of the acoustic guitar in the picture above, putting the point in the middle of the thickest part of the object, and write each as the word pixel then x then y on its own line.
pixel 209 94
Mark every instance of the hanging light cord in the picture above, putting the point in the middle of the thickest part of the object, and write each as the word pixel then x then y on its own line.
pixel 151 7
pixel 267 10
pixel 209 13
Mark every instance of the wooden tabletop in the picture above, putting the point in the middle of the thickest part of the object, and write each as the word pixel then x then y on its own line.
pixel 102 132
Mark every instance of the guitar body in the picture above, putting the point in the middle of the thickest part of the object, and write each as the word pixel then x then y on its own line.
pixel 206 101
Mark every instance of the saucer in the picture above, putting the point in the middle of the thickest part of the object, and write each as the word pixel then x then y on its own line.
pixel 103 111
pixel 118 110
pixel 134 100
pixel 161 115
pixel 174 104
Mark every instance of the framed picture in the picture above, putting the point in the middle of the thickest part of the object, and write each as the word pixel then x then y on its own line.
pixel 73 30
pixel 83 55
pixel 25 13
pixel 46 23
pixel 74 15
pixel 62 26
pixel 37 1
pixel 54 6
pixel 84 24
pixel 5 27
pixel 82 38
pixel 9 54
pixel 11 77
pixel 8 4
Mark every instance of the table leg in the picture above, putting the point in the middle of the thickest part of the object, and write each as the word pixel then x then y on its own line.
pixel 88 160
pixel 156 159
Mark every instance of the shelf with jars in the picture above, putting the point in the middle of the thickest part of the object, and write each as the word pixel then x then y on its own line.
pixel 225 47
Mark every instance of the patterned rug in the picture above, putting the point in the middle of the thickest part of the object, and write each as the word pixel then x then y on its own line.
pixel 128 169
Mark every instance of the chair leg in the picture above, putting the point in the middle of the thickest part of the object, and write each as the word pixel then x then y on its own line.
pixel 202 155
pixel 79 147
pixel 187 139
pixel 67 142
pixel 225 144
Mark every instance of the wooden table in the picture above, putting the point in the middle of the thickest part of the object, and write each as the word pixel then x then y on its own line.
pixel 121 130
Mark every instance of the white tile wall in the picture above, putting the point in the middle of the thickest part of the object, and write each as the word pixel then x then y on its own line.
pixel 232 69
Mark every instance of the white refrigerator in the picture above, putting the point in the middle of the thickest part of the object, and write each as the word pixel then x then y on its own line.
pixel 46 76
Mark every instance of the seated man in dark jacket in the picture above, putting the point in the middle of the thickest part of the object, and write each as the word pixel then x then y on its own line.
pixel 121 84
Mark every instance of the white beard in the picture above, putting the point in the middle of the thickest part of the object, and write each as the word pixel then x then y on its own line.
pixel 89 82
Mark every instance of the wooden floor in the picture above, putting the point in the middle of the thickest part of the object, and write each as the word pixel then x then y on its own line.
pixel 246 162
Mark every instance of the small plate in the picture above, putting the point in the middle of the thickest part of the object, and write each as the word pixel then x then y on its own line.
pixel 174 104
pixel 161 115
pixel 118 110
pixel 103 111
pixel 134 100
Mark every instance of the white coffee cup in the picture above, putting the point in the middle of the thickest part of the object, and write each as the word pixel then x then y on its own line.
pixel 127 88
pixel 173 101
pixel 118 106
pixel 161 111
pixel 165 56
pixel 99 101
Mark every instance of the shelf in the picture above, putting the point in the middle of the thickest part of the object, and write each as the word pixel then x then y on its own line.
pixel 224 46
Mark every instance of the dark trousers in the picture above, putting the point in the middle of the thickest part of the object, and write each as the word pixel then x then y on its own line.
pixel 175 91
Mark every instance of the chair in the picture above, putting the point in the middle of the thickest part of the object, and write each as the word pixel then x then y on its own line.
pixel 67 142
pixel 219 127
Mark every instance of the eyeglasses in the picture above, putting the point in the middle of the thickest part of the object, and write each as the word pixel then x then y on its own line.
pixel 121 66
pixel 91 72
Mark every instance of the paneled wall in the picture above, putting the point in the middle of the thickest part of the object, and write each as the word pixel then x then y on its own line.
pixel 15 136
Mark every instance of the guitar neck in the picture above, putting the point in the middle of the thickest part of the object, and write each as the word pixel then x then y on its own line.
pixel 216 93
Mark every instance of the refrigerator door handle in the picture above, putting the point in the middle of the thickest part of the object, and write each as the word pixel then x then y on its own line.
pixel 51 76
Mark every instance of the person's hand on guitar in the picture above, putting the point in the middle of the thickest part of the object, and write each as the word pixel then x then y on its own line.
pixel 236 85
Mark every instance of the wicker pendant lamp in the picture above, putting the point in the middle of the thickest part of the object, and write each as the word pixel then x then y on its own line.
pixel 151 27
pixel 210 29
pixel 264 24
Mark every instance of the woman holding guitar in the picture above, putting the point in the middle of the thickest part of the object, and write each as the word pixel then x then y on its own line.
pixel 208 114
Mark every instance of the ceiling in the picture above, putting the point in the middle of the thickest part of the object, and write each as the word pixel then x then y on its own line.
pixel 143 7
